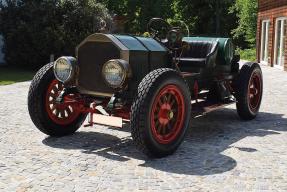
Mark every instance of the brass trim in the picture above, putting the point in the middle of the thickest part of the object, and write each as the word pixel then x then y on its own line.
pixel 100 37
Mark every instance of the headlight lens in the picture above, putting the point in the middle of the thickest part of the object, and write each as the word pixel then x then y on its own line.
pixel 64 68
pixel 115 72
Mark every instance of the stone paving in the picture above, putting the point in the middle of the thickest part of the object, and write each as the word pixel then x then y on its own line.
pixel 220 153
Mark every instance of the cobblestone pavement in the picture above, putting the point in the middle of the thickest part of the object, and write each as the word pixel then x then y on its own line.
pixel 220 153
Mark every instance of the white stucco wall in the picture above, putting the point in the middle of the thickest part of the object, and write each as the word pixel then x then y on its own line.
pixel 1 53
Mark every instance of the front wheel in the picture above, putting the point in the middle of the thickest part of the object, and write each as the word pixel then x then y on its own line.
pixel 249 91
pixel 161 113
pixel 50 117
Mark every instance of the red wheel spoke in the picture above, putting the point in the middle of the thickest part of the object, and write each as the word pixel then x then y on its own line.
pixel 164 130
pixel 165 99
pixel 169 98
pixel 53 95
pixel 168 107
pixel 159 128
pixel 157 109
pixel 169 127
pixel 57 113
pixel 255 91
pixel 69 112
pixel 62 114
pixel 60 86
pixel 159 103
pixel 172 103
pixel 53 108
pixel 56 90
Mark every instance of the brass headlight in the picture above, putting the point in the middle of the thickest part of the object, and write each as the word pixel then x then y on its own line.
pixel 115 73
pixel 64 69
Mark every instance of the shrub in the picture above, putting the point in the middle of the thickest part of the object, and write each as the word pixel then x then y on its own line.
pixel 33 30
pixel 247 54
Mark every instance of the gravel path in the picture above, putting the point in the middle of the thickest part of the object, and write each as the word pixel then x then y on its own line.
pixel 220 153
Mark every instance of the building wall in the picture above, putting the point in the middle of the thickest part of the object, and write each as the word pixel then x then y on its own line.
pixel 1 53
pixel 271 10
pixel 270 4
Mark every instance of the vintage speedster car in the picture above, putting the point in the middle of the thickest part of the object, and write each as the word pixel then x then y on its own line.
pixel 157 84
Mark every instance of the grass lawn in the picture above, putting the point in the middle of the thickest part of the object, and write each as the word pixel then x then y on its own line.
pixel 10 75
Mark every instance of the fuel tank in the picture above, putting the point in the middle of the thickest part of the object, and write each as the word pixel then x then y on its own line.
pixel 225 50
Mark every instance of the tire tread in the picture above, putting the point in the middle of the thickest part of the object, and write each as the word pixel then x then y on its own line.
pixel 35 105
pixel 140 109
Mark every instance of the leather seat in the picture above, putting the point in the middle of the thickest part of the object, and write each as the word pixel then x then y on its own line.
pixel 201 54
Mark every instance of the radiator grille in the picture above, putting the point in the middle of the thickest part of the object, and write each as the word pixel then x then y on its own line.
pixel 91 58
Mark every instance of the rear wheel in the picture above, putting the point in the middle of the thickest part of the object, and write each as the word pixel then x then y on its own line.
pixel 249 91
pixel 50 117
pixel 161 113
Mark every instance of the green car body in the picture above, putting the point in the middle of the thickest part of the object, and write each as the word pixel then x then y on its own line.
pixel 157 84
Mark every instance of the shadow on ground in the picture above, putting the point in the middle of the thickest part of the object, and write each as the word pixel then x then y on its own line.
pixel 200 153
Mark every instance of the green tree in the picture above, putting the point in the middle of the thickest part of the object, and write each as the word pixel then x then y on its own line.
pixel 246 11
pixel 33 30
pixel 206 17
pixel 139 12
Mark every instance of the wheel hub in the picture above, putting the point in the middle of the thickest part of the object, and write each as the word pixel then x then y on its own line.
pixel 165 114
pixel 253 91
pixel 170 115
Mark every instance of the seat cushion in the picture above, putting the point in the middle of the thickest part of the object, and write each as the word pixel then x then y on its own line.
pixel 199 49
pixel 192 62
pixel 200 54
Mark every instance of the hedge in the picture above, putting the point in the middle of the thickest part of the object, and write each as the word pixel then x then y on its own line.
pixel 34 30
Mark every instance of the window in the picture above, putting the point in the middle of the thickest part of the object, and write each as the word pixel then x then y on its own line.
pixel 264 41
pixel 280 38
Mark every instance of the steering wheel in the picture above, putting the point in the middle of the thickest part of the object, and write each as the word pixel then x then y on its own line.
pixel 174 37
pixel 159 29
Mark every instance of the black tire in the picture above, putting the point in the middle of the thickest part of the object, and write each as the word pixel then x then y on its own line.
pixel 141 126
pixel 248 104
pixel 37 110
